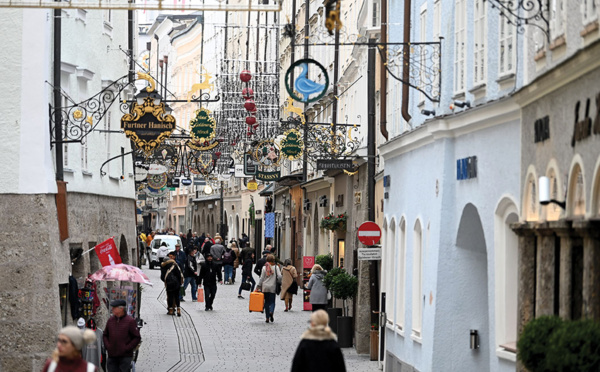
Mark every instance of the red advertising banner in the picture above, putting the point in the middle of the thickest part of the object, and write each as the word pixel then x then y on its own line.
pixel 107 252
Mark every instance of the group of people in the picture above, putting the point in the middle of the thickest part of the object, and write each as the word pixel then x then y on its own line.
pixel 81 348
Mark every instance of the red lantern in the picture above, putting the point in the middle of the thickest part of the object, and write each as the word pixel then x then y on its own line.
pixel 250 105
pixel 218 153
pixel 250 120
pixel 255 126
pixel 245 76
pixel 247 93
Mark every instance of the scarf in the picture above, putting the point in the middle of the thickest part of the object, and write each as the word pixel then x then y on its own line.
pixel 269 270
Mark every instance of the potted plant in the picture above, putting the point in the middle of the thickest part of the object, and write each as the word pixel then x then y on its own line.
pixel 332 311
pixel 325 260
pixel 551 344
pixel 334 222
pixel 344 287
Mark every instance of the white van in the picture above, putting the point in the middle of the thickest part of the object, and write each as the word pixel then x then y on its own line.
pixel 171 240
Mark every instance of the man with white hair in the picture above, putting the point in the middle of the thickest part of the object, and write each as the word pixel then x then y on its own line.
pixel 217 251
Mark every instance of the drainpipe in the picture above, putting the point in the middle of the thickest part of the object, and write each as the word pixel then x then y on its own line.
pixel 130 44
pixel 58 135
pixel 406 61
pixel 383 75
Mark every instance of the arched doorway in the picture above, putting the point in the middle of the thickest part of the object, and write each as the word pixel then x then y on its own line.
pixel 470 286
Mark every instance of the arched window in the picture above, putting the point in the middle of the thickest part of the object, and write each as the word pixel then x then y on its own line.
pixel 417 280
pixel 400 275
pixel 530 197
pixel 506 283
pixel 576 190
pixel 389 259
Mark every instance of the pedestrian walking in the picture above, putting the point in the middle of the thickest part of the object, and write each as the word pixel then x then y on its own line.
pixel 243 240
pixel 318 349
pixel 180 257
pixel 190 273
pixel 209 275
pixel 247 274
pixel 121 337
pixel 270 276
pixel 206 246
pixel 289 286
pixel 67 355
pixel 217 250
pixel 92 352
pixel 260 263
pixel 318 292
pixel 238 261
pixel 162 252
pixel 171 275
pixel 228 258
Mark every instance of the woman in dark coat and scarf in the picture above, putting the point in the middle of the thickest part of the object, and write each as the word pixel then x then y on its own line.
pixel 318 350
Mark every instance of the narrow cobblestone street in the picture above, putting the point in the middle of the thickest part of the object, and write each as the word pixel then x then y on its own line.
pixel 226 339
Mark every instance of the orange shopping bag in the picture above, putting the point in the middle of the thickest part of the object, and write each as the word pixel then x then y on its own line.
pixel 200 294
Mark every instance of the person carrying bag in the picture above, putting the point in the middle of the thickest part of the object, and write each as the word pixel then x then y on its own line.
pixel 289 286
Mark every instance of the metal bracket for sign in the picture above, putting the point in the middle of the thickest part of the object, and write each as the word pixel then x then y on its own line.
pixel 521 13
pixel 424 58
pixel 103 173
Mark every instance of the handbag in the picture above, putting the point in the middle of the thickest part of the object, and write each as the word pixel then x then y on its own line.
pixel 246 286
pixel 200 295
pixel 277 282
pixel 293 289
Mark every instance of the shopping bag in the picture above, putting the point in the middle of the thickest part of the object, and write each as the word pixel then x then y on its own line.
pixel 246 286
pixel 200 294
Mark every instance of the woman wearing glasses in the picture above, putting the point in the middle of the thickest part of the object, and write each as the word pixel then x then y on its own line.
pixel 67 355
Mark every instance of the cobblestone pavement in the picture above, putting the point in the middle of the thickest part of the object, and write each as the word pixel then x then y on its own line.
pixel 230 338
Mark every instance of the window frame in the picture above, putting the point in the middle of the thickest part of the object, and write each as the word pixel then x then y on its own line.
pixel 460 52
pixel 512 37
pixel 480 35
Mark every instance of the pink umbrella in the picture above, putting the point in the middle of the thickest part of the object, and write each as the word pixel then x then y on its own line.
pixel 126 273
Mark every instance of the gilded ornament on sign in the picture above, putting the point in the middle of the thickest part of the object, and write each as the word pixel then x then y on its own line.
pixel 147 125
pixel 267 153
pixel 292 145
pixel 203 130
pixel 77 114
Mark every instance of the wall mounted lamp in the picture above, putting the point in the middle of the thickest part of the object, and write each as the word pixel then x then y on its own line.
pixel 544 193
pixel 428 112
pixel 474 340
pixel 462 104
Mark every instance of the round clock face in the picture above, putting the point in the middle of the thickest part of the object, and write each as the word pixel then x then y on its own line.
pixel 208 189
pixel 157 181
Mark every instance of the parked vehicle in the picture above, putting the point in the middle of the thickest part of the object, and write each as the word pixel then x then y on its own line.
pixel 171 240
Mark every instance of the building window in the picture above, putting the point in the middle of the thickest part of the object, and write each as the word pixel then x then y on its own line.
pixel 480 42
pixel 376 14
pixel 589 11
pixel 417 281
pixel 506 262
pixel 557 18
pixel 507 41
pixel 390 248
pixel 460 35
pixel 400 272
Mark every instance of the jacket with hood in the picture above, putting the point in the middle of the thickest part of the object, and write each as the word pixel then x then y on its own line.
pixel 318 351
pixel 171 275
pixel 318 292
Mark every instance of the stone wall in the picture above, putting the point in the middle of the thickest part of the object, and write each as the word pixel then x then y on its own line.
pixel 35 263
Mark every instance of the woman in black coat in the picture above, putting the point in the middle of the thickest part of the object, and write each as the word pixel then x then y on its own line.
pixel 318 350
pixel 247 274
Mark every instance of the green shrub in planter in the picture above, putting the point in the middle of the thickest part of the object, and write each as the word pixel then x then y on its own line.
pixel 325 260
pixel 344 286
pixel 534 344
pixel 575 346
pixel 330 275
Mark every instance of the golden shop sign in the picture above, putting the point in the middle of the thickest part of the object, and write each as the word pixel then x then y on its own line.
pixel 147 125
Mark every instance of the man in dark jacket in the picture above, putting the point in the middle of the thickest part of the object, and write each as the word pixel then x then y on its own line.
pixel 247 274
pixel 171 275
pixel 206 246
pixel 243 241
pixel 190 272
pixel 209 274
pixel 261 262
pixel 121 337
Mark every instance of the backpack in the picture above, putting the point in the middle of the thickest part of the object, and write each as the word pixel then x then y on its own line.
pixel 228 257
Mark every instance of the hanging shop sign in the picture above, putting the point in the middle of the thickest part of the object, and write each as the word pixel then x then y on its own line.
pixel 268 176
pixel 252 185
pixel 292 144
pixel 309 90
pixel 267 153
pixel 324 164
pixel 203 131
pixel 186 182
pixel 250 166
pixel 173 183
pixel 147 125
pixel 157 181
pixel 156 193
pixel 140 174
pixel 157 169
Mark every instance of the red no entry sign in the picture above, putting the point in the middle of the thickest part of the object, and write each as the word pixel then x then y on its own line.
pixel 369 233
